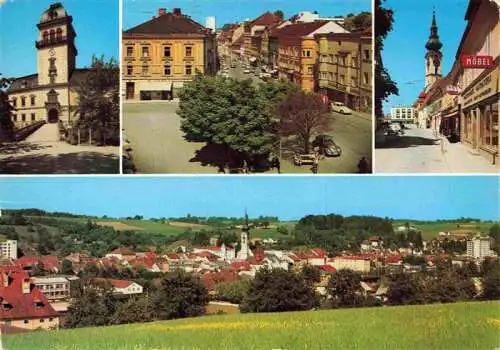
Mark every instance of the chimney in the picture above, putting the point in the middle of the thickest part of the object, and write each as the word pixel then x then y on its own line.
pixel 177 11
pixel 162 11
pixel 26 285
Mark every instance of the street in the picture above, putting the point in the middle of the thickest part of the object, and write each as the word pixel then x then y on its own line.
pixel 153 129
pixel 417 151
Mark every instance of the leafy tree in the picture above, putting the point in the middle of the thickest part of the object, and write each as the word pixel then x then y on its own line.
pixel 449 287
pixel 303 114
pixel 179 295
pixel 279 13
pixel 345 288
pixel 384 86
pixel 491 284
pixel 92 306
pixel 233 292
pixel 494 233
pixel 67 267
pixel 6 124
pixel 405 289
pixel 278 290
pixel 133 310
pixel 99 101
pixel 311 274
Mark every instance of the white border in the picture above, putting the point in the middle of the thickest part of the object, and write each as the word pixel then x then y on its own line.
pixel 120 23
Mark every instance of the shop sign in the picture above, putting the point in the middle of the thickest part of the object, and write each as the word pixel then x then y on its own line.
pixel 453 90
pixel 477 61
pixel 486 87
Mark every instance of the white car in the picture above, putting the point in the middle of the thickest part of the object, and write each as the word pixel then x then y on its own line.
pixel 246 71
pixel 339 107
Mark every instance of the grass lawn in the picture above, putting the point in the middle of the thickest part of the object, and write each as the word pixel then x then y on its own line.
pixel 472 325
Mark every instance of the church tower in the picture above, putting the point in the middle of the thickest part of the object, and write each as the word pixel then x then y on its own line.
pixel 433 56
pixel 245 251
pixel 55 46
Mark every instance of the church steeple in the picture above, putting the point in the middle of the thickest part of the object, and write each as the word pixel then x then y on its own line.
pixel 433 44
pixel 433 57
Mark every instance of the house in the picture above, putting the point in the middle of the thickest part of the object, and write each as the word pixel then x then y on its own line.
pixel 121 287
pixel 355 263
pixel 122 253
pixel 53 287
pixel 45 262
pixel 22 304
pixel 211 279
pixel 223 252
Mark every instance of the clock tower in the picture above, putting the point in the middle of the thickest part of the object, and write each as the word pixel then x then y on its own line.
pixel 55 46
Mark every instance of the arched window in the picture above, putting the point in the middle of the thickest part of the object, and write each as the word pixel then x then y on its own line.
pixel 59 33
pixel 52 34
pixel 45 36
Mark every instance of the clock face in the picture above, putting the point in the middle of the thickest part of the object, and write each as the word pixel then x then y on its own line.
pixel 52 52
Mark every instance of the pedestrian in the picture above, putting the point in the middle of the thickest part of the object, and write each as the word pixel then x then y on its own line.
pixel 363 167
pixel 314 167
pixel 245 166
pixel 276 164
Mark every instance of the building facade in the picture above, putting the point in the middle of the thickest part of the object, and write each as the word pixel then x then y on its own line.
pixel 404 114
pixel 298 50
pixel 479 248
pixel 8 249
pixel 55 288
pixel 479 97
pixel 354 263
pixel 164 53
pixel 344 68
pixel 50 94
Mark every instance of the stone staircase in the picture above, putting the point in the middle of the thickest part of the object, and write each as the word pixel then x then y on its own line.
pixel 47 133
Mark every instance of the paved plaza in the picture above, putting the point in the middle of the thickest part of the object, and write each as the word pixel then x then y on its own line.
pixel 419 151
pixel 42 153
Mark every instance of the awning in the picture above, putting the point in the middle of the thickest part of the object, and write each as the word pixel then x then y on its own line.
pixel 156 86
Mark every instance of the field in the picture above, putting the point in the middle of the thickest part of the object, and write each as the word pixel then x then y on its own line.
pixel 474 325
pixel 431 230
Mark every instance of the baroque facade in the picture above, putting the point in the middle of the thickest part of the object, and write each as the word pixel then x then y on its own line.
pixel 49 95
pixel 162 54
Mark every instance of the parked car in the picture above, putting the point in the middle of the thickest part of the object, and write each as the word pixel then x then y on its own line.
pixel 326 146
pixel 339 107
pixel 300 159
pixel 246 71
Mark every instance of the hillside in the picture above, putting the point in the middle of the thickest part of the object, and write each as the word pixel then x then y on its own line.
pixel 473 325
pixel 431 229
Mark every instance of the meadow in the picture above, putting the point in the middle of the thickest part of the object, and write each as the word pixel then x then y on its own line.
pixel 471 325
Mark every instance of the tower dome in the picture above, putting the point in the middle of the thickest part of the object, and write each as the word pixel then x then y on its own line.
pixel 54 12
pixel 433 44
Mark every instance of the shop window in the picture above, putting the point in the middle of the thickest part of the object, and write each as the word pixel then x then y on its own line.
pixel 489 128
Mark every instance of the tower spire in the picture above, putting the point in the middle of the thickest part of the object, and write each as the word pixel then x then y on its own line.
pixel 434 44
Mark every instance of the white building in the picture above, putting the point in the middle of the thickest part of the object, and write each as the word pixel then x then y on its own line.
pixel 210 23
pixel 54 287
pixel 124 287
pixel 8 249
pixel 355 263
pixel 307 16
pixel 479 248
pixel 222 252
pixel 404 114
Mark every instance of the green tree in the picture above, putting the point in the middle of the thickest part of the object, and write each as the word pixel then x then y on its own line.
pixel 278 290
pixel 279 13
pixel 405 289
pixel 179 295
pixel 494 233
pixel 491 284
pixel 345 288
pixel 133 310
pixel 99 101
pixel 67 267
pixel 6 124
pixel 233 292
pixel 303 114
pixel 93 305
pixel 384 86
pixel 311 274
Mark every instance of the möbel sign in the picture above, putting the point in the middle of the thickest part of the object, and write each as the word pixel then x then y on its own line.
pixel 476 61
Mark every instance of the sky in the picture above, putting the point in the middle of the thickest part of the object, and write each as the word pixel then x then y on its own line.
pixel 230 11
pixel 404 48
pixel 288 197
pixel 96 23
